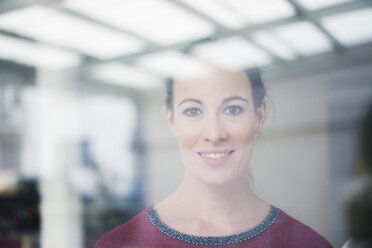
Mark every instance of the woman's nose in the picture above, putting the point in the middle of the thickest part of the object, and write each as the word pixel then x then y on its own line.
pixel 215 130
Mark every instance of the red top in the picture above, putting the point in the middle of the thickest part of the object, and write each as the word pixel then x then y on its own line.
pixel 278 230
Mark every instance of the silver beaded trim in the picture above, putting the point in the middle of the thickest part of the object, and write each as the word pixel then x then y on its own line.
pixel 214 240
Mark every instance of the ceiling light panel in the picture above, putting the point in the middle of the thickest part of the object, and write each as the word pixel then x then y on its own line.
pixel 261 11
pixel 233 53
pixel 157 20
pixel 274 44
pixel 318 4
pixel 350 28
pixel 303 37
pixel 173 64
pixel 33 54
pixel 125 75
pixel 48 25
pixel 218 11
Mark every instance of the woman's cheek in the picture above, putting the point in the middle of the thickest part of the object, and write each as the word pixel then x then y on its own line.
pixel 243 132
pixel 188 136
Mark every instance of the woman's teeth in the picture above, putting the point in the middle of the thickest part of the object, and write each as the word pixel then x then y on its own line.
pixel 214 155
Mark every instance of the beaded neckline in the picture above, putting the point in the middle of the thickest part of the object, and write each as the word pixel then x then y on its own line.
pixel 214 240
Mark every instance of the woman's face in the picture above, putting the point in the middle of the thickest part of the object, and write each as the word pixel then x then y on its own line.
pixel 214 121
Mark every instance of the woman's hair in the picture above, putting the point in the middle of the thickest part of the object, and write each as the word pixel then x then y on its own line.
pixel 254 76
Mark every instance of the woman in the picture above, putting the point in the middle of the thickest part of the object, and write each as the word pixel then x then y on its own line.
pixel 214 119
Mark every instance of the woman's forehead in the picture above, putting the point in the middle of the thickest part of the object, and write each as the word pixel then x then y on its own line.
pixel 214 74
pixel 219 83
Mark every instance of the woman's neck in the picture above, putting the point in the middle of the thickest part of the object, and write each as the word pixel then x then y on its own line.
pixel 224 205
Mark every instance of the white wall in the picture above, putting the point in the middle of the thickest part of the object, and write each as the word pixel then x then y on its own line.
pixel 290 166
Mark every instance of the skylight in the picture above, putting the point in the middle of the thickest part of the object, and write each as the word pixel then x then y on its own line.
pixel 173 64
pixel 233 53
pixel 48 25
pixel 350 28
pixel 125 75
pixel 33 54
pixel 159 21
pixel 219 11
pixel 274 44
pixel 317 4
pixel 303 37
pixel 261 11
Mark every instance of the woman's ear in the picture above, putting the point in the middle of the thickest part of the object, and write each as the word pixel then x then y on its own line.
pixel 261 116
pixel 170 120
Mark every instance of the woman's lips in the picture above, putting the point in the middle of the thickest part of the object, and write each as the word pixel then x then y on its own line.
pixel 215 157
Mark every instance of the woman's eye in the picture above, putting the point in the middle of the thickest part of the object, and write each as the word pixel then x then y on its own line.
pixel 192 112
pixel 233 110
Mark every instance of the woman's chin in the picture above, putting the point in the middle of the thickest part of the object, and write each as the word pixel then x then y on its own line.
pixel 223 174
pixel 215 180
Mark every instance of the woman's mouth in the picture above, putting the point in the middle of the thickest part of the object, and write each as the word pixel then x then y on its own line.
pixel 215 157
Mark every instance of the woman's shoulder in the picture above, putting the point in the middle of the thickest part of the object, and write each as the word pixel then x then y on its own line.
pixel 293 231
pixel 137 228
pixel 285 231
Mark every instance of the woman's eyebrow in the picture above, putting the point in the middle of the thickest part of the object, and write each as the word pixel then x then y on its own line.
pixel 234 98
pixel 190 100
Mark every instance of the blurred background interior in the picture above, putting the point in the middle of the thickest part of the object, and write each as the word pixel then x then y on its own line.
pixel 84 143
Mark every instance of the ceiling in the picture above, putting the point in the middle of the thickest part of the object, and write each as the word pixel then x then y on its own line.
pixel 138 43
